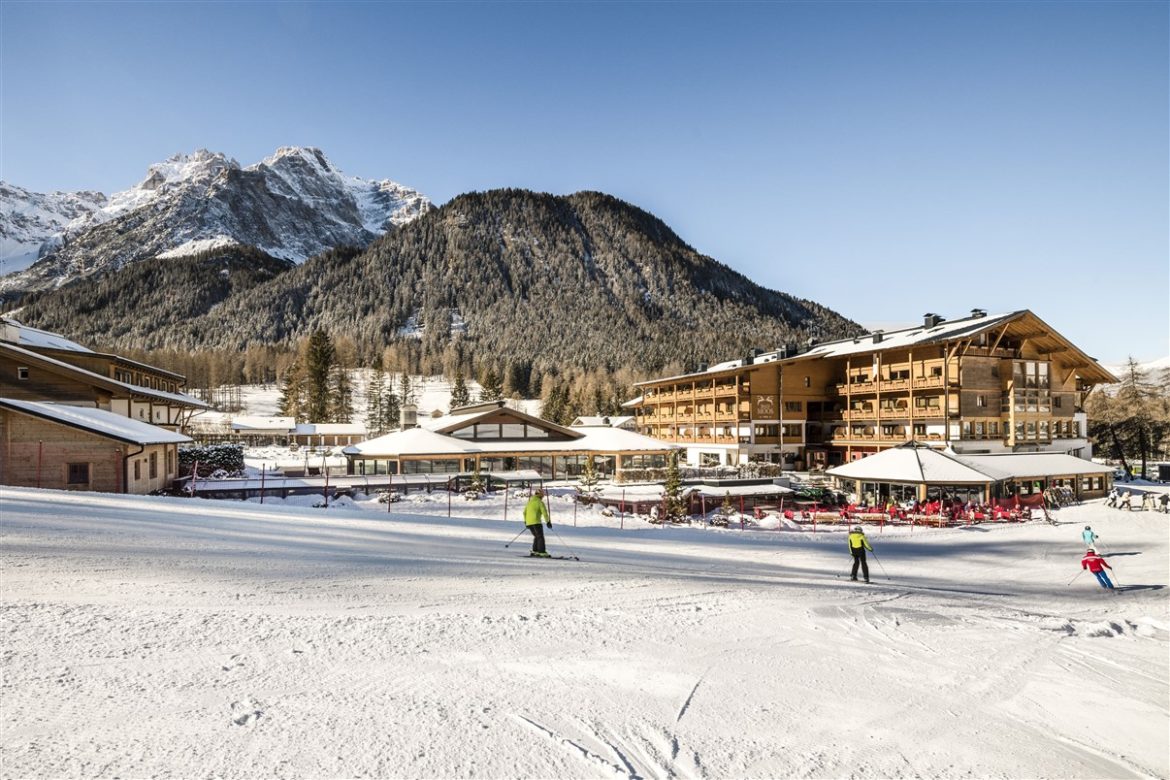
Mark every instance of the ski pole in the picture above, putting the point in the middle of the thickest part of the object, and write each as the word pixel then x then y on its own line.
pixel 517 536
pixel 572 554
pixel 879 563
pixel 1070 582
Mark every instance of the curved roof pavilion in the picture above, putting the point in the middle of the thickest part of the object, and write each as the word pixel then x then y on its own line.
pixel 493 436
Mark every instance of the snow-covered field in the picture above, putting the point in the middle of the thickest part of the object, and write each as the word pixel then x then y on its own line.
pixel 186 638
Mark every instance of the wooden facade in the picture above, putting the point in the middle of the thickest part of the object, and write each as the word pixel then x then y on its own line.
pixel 36 452
pixel 78 376
pixel 980 384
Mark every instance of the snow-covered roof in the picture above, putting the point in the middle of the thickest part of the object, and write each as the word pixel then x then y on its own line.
pixel 97 421
pixel 22 335
pixel 1013 465
pixel 633 403
pixel 467 415
pixel 919 464
pixel 255 423
pixel 942 331
pixel 413 441
pixel 592 421
pixel 330 429
pixel 181 399
pixel 909 337
pixel 911 463
pixel 422 441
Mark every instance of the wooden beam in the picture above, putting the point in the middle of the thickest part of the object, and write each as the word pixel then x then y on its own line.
pixel 999 338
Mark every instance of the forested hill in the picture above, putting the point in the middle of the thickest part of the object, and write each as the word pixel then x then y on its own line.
pixel 584 280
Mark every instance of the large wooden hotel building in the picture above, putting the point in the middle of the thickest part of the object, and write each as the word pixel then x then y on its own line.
pixel 980 384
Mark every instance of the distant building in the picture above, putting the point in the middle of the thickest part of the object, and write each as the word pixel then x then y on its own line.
pixel 493 437
pixel 628 422
pixel 979 385
pixel 286 430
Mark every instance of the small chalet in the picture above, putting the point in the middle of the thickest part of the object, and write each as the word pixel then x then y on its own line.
pixel 492 438
pixel 65 447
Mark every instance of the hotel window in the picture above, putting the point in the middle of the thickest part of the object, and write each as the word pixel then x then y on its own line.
pixel 808 381
pixel 979 429
pixel 22 372
pixel 981 400
pixel 966 430
pixel 792 431
pixel 919 429
pixel 793 406
pixel 137 470
pixel 1044 429
pixel 1057 401
pixel 154 465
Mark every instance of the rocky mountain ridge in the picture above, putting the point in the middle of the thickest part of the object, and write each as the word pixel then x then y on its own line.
pixel 290 206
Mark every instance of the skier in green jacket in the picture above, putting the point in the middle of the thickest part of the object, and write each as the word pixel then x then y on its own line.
pixel 858 544
pixel 534 512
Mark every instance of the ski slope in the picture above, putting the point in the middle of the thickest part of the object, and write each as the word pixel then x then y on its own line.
pixel 187 638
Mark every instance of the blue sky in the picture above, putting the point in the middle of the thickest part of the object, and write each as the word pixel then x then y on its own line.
pixel 884 159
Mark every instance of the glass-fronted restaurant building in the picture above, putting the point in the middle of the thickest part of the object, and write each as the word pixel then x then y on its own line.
pixel 493 438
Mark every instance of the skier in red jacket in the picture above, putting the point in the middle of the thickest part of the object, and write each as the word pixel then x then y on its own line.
pixel 1096 564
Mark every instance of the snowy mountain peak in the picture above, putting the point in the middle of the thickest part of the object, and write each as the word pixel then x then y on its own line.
pixel 28 219
pixel 292 205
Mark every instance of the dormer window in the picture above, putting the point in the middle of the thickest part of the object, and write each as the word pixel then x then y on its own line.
pixel 22 373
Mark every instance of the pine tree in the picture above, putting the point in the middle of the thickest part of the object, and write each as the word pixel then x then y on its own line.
pixel 374 414
pixel 459 394
pixel 556 405
pixel 672 494
pixel 406 393
pixel 588 484
pixel 319 361
pixel 727 509
pixel 391 409
pixel 490 387
pixel 341 397
pixel 292 393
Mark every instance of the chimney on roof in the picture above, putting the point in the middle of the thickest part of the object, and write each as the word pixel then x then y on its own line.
pixel 877 336
pixel 930 320
pixel 702 367
pixel 409 416
pixel 977 313
pixel 812 341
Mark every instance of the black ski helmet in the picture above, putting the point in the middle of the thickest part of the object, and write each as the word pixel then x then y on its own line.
pixel 1088 528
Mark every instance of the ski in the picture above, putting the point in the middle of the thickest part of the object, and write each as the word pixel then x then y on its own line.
pixel 553 557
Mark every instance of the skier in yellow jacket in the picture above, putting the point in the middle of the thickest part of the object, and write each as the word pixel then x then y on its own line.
pixel 534 512
pixel 858 544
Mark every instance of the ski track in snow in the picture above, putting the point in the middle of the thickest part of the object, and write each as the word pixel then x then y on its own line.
pixel 181 638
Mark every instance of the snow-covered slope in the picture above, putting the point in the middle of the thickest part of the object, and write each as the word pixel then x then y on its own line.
pixel 28 220
pixel 153 637
pixel 291 205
